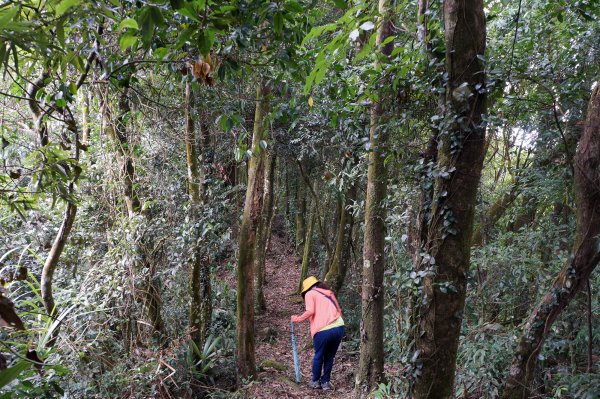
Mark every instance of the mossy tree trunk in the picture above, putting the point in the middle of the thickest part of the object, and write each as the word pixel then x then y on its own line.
pixel 200 313
pixel 370 367
pixel 575 274
pixel 449 230
pixel 262 233
pixel 194 172
pixel 246 361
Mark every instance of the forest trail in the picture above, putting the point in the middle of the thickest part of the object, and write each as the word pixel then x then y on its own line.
pixel 276 376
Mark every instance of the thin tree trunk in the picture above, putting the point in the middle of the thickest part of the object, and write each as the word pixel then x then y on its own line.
pixel 246 361
pixel 201 303
pixel 193 171
pixel 63 232
pixel 494 213
pixel 117 132
pixel 320 223
pixel 460 161
pixel 200 312
pixel 370 367
pixel 307 246
pixel 262 234
pixel 300 220
pixel 39 125
pixel 338 267
pixel 576 272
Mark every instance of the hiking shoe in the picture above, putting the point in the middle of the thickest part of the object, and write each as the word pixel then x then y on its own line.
pixel 326 386
pixel 315 384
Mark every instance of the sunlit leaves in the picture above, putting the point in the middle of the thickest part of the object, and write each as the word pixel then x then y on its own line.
pixel 65 5
pixel 128 23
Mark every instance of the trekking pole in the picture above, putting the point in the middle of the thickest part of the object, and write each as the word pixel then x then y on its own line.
pixel 295 351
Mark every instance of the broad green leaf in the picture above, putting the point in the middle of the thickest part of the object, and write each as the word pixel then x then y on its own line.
pixel 184 36
pixel 278 22
pixel 189 12
pixel 10 374
pixel 293 6
pixel 126 41
pixel 128 23
pixel 206 39
pixel 7 16
pixel 64 6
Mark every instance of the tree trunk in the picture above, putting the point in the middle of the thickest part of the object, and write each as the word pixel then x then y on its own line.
pixel 193 171
pixel 201 289
pixel 117 132
pixel 39 125
pixel 320 217
pixel 307 246
pixel 460 161
pixel 370 367
pixel 576 272
pixel 201 293
pixel 300 221
pixel 338 266
pixel 262 234
pixel 63 232
pixel 246 361
pixel 494 213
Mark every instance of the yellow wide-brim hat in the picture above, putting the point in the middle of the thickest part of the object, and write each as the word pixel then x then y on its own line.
pixel 308 283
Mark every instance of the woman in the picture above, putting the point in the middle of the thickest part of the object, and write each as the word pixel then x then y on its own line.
pixel 326 328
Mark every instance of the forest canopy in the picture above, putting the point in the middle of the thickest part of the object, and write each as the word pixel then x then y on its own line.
pixel 171 172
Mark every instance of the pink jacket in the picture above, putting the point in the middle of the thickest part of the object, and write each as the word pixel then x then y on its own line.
pixel 320 311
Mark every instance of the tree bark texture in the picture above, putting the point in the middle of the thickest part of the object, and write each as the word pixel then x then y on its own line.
pixel 449 232
pixel 193 169
pixel 262 233
pixel 370 367
pixel 63 232
pixel 201 303
pixel 574 275
pixel 39 125
pixel 246 361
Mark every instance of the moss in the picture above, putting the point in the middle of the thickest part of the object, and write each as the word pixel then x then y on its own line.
pixel 272 364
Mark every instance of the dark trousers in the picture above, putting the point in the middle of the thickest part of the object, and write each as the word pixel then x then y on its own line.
pixel 326 344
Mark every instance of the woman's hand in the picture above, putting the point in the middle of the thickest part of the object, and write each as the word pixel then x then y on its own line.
pixel 295 319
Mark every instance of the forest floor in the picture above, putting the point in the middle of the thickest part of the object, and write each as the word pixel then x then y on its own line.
pixel 276 376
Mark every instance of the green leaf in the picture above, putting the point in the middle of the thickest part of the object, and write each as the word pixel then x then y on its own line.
pixel 340 3
pixel 278 22
pixel 157 16
pixel 127 40
pixel 64 6
pixel 185 36
pixel 177 4
pixel 73 88
pixel 293 6
pixel 8 15
pixel 128 23
pixel 11 373
pixel 206 38
pixel 188 11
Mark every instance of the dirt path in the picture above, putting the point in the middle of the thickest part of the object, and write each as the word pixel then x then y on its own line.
pixel 276 377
